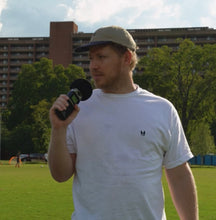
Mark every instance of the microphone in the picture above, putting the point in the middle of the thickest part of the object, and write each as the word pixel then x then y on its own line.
pixel 81 90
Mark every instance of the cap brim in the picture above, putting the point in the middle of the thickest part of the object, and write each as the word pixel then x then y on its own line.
pixel 86 47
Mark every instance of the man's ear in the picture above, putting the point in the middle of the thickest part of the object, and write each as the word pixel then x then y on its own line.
pixel 128 57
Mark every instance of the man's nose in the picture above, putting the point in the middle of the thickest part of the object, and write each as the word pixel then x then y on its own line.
pixel 93 64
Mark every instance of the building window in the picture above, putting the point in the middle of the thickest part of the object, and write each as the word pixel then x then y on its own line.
pixel 150 40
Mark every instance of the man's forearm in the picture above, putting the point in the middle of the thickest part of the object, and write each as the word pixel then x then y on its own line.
pixel 61 163
pixel 183 191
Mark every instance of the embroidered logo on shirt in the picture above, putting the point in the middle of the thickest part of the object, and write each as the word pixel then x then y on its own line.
pixel 142 133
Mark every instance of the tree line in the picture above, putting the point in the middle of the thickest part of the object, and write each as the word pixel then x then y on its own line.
pixel 25 123
pixel 186 77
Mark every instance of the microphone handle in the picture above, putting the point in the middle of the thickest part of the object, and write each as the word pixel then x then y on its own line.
pixel 74 98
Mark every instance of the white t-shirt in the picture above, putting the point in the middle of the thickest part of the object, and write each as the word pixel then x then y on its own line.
pixel 122 142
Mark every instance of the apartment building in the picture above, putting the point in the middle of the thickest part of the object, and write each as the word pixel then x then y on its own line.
pixel 149 38
pixel 64 38
pixel 13 53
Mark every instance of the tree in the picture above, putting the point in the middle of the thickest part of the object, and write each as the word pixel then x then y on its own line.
pixel 201 140
pixel 187 77
pixel 40 128
pixel 157 76
pixel 36 88
pixel 195 77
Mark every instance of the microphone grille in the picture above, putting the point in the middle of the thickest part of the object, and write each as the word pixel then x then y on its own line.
pixel 84 86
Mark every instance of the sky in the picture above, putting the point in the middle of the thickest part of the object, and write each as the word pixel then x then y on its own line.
pixel 31 18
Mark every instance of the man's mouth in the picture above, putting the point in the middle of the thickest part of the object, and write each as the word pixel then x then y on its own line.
pixel 97 75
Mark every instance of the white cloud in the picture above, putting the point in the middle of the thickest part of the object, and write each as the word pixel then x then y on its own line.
pixel 3 5
pixel 163 10
pixel 212 7
pixel 102 10
pixel 210 18
pixel 32 18
pixel 24 18
pixel 208 21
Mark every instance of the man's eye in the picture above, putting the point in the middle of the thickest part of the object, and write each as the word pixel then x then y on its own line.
pixel 101 57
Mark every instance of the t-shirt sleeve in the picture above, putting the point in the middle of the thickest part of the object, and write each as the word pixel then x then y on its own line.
pixel 70 140
pixel 178 150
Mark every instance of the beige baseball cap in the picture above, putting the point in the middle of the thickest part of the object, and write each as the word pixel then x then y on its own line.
pixel 109 34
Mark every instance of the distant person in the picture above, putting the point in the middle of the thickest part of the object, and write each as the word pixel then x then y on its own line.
pixel 117 142
pixel 18 160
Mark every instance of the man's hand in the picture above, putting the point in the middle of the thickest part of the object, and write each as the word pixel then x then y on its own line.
pixel 61 104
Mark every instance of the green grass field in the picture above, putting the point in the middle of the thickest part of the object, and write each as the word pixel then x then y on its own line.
pixel 29 192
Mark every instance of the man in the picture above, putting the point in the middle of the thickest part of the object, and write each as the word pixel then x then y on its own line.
pixel 116 142
pixel 18 160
